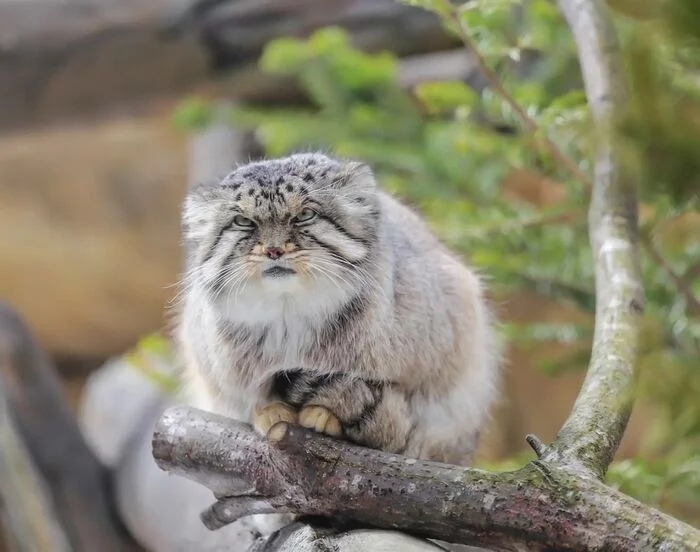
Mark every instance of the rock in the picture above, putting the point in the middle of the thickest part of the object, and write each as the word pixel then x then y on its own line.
pixel 89 231
pixel 116 402
pixel 117 413
pixel 303 538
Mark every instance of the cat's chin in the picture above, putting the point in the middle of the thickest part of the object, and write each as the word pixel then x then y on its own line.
pixel 280 282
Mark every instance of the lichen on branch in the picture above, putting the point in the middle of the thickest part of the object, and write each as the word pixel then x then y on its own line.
pixel 592 433
pixel 539 506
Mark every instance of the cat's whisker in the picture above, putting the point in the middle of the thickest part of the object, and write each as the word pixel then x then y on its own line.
pixel 235 280
pixel 361 274
pixel 333 269
pixel 329 275
pixel 187 282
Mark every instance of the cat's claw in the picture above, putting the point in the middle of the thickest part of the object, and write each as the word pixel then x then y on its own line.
pixel 269 415
pixel 321 420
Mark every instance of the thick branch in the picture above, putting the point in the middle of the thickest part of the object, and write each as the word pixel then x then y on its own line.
pixel 594 429
pixel 539 506
pixel 75 480
pixel 29 518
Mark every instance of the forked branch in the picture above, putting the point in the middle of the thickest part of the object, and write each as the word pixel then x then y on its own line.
pixel 592 434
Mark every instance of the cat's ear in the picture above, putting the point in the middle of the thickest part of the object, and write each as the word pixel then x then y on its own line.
pixel 198 210
pixel 358 195
pixel 358 176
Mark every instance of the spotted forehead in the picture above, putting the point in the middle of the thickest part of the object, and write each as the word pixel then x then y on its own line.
pixel 267 195
pixel 302 171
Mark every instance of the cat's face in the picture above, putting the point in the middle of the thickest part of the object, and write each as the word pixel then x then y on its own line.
pixel 281 226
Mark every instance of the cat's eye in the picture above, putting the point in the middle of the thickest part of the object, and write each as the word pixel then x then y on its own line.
pixel 305 215
pixel 243 222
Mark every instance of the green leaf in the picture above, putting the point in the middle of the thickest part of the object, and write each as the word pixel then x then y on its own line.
pixel 284 55
pixel 358 71
pixel 441 97
pixel 329 40
pixel 153 357
pixel 193 114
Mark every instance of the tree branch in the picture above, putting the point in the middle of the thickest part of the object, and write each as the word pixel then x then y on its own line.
pixel 540 506
pixel 29 519
pixel 682 284
pixel 592 433
pixel 528 122
pixel 557 502
pixel 73 481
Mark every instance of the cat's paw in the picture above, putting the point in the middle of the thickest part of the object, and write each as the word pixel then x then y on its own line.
pixel 267 416
pixel 320 419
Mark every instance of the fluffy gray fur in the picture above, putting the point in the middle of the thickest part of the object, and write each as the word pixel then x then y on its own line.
pixel 366 327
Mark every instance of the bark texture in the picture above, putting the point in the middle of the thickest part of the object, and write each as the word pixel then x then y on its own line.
pixel 541 506
pixel 591 435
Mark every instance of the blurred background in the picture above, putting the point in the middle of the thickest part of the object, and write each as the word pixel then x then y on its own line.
pixel 111 108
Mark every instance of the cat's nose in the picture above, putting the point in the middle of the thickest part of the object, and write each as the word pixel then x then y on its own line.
pixel 274 252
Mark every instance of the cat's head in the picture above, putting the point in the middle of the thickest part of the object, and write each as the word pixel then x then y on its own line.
pixel 282 225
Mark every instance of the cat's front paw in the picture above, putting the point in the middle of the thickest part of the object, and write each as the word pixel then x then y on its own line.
pixel 268 415
pixel 320 419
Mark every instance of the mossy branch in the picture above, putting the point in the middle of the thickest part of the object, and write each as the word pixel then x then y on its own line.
pixel 592 433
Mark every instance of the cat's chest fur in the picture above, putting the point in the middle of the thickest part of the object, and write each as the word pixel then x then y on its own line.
pixel 272 330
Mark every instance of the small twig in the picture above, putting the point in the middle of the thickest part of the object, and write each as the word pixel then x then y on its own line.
pixel 527 121
pixel 692 272
pixel 681 283
pixel 228 510
pixel 538 446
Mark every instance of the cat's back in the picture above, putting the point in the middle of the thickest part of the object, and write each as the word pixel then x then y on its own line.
pixel 437 297
pixel 416 250
pixel 402 226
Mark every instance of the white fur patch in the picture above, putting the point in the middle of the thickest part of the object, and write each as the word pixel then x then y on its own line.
pixel 289 307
